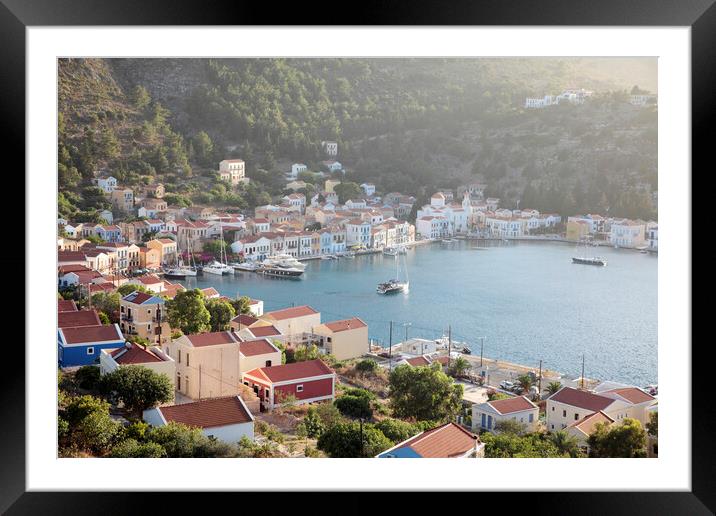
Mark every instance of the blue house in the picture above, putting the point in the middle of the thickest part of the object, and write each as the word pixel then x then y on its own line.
pixel 82 345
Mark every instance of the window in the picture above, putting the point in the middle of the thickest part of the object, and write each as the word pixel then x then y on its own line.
pixel 268 363
pixel 90 350
pixel 187 359
pixel 267 392
pixel 576 416
pixel 552 409
pixel 299 388
pixel 531 418
pixel 179 356
pixel 483 421
pixel 564 413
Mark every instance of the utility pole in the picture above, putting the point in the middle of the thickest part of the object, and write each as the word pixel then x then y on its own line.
pixel 362 447
pixel 199 381
pixel 482 347
pixel 449 345
pixel 582 370
pixel 540 379
pixel 390 348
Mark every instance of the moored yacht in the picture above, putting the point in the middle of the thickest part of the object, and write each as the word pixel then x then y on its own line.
pixel 217 268
pixel 275 270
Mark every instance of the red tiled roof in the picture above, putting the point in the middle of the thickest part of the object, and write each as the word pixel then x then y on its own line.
pixel 251 348
pixel 66 305
pixel 209 413
pixel 294 371
pixel 244 320
pixel 264 331
pixel 78 318
pixel 288 313
pixel 137 297
pixel 71 256
pixel 418 361
pixel 149 279
pixel 346 324
pixel 633 395
pixel 210 292
pixel 446 441
pixel 102 287
pixel 510 405
pixel 134 355
pixel 91 334
pixel 589 422
pixel 212 339
pixel 581 399
pixel 74 267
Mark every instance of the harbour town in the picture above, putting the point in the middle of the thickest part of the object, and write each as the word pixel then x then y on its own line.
pixel 286 308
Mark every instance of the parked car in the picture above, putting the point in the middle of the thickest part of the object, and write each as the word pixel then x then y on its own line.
pixel 517 388
pixel 507 385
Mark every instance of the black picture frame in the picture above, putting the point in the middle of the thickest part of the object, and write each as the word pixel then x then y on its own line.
pixel 17 15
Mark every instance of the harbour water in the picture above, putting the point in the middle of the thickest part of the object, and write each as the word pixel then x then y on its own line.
pixel 526 299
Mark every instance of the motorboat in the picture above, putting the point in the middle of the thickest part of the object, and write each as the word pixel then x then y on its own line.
pixel 390 251
pixel 275 270
pixel 217 268
pixel 392 286
pixel 245 266
pixel 590 261
pixel 284 260
pixel 329 257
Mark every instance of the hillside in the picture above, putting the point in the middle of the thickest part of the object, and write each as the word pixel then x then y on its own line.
pixel 406 124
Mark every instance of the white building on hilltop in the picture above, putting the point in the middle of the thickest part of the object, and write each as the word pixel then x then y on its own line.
pixel 233 171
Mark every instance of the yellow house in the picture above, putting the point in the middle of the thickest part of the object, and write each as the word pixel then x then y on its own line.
pixel 210 365
pixel 344 339
pixel 577 230
pixel 149 258
pixel 143 315
pixel 294 322
pixel 167 249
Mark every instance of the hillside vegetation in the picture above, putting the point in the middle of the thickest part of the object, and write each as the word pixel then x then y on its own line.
pixel 408 125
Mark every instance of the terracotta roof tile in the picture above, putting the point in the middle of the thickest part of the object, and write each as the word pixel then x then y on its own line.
pixel 92 334
pixel 209 413
pixel 346 324
pixel 78 318
pixel 294 371
pixel 510 405
pixel 581 399
pixel 212 339
pixel 264 331
pixel 250 348
pixel 289 313
pixel 66 305
pixel 633 395
pixel 446 441
pixel 135 355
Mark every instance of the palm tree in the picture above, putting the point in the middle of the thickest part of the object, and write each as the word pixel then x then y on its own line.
pixel 459 366
pixel 525 382
pixel 566 444
pixel 553 387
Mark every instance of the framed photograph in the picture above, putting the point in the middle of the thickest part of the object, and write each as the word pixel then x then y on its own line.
pixel 274 255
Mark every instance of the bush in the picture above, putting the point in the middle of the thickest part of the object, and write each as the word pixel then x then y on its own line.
pixel 313 424
pixel 87 377
pixel 138 387
pixel 366 366
pixel 354 406
pixel 397 430
pixel 131 448
pixel 344 440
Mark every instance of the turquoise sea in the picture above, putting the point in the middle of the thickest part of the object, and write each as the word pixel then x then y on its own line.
pixel 526 298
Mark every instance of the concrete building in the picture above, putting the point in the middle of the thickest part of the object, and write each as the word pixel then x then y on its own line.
pixel 142 314
pixel 233 171
pixel 227 419
pixel 344 339
pixel 486 415
pixel 134 354
pixel 307 382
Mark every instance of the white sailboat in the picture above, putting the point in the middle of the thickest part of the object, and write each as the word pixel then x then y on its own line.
pixel 180 271
pixel 219 267
pixel 394 286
